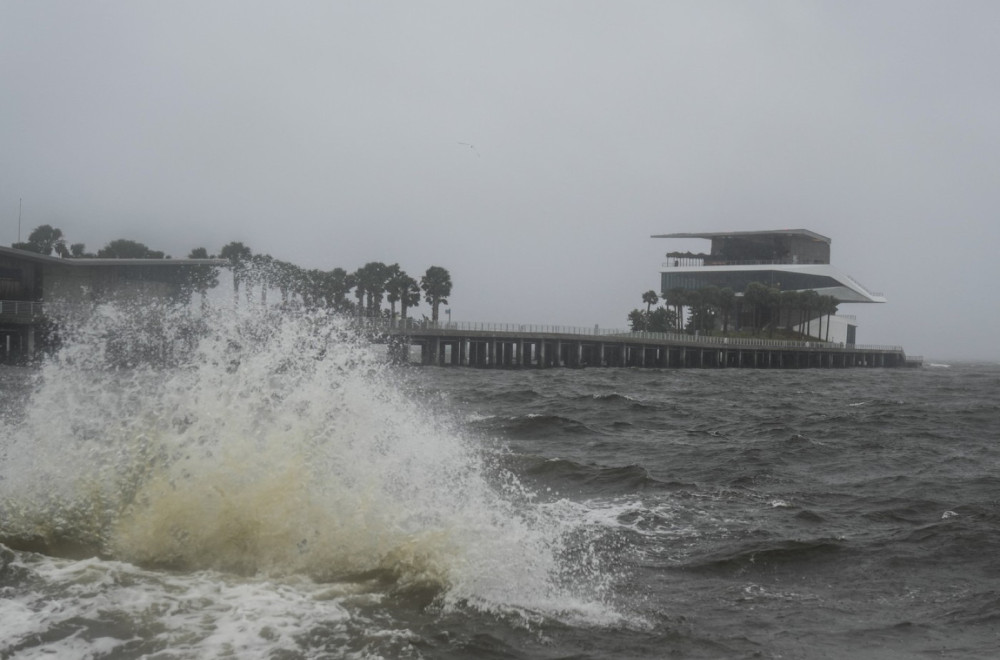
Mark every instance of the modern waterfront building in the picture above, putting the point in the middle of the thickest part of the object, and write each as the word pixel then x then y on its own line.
pixel 785 259
pixel 30 281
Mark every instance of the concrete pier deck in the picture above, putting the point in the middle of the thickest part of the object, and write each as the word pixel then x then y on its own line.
pixel 508 346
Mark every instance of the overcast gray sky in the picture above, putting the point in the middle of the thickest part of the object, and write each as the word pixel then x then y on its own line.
pixel 335 133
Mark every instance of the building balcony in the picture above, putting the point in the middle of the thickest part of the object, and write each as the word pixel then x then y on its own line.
pixel 706 261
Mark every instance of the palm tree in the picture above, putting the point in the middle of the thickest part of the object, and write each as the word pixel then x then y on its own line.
pixel 790 300
pixel 436 284
pixel 262 272
pixel 371 278
pixel 393 283
pixel 283 276
pixel 311 286
pixel 239 257
pixel 810 300
pixel 725 299
pixel 755 295
pixel 678 298
pixel 650 298
pixel 409 296
pixel 202 278
pixel 704 304
pixel 359 291
pixel 774 307
pixel 829 306
pixel 337 284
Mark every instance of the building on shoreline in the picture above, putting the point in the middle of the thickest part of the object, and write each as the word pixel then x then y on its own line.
pixel 784 259
pixel 30 281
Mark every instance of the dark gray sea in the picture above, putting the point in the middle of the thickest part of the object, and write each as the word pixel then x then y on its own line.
pixel 271 494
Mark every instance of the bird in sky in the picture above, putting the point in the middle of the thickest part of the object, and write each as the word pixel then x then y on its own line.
pixel 471 146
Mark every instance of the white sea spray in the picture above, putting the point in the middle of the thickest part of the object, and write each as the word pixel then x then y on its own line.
pixel 274 445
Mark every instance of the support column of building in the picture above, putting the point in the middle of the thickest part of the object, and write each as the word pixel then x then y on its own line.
pixel 436 351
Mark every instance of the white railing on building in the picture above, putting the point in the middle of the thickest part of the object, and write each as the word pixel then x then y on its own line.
pixel 870 294
pixel 701 262
pixel 20 308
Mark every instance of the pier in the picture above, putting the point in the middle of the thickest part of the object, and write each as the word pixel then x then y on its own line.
pixel 512 346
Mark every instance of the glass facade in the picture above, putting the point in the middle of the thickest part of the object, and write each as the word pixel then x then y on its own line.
pixel 737 280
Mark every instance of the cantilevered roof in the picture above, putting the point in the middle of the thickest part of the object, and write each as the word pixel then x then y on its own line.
pixel 773 232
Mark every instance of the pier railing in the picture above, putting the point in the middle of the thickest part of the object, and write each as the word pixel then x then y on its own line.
pixel 20 308
pixel 411 326
pixel 28 310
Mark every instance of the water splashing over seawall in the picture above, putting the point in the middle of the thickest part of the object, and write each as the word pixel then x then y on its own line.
pixel 259 443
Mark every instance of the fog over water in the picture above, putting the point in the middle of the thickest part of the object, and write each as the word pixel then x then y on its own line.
pixel 530 148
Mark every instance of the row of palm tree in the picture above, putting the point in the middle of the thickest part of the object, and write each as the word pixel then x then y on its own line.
pixel 767 304
pixel 760 307
pixel 372 284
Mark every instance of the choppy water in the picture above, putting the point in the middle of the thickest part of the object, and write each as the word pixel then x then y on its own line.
pixel 276 492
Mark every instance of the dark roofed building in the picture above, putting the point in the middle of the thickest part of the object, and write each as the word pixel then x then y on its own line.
pixel 29 280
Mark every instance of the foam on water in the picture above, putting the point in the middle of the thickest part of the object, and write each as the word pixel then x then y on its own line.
pixel 273 445
pixel 202 614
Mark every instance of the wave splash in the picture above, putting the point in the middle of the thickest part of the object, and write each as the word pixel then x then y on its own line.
pixel 252 442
